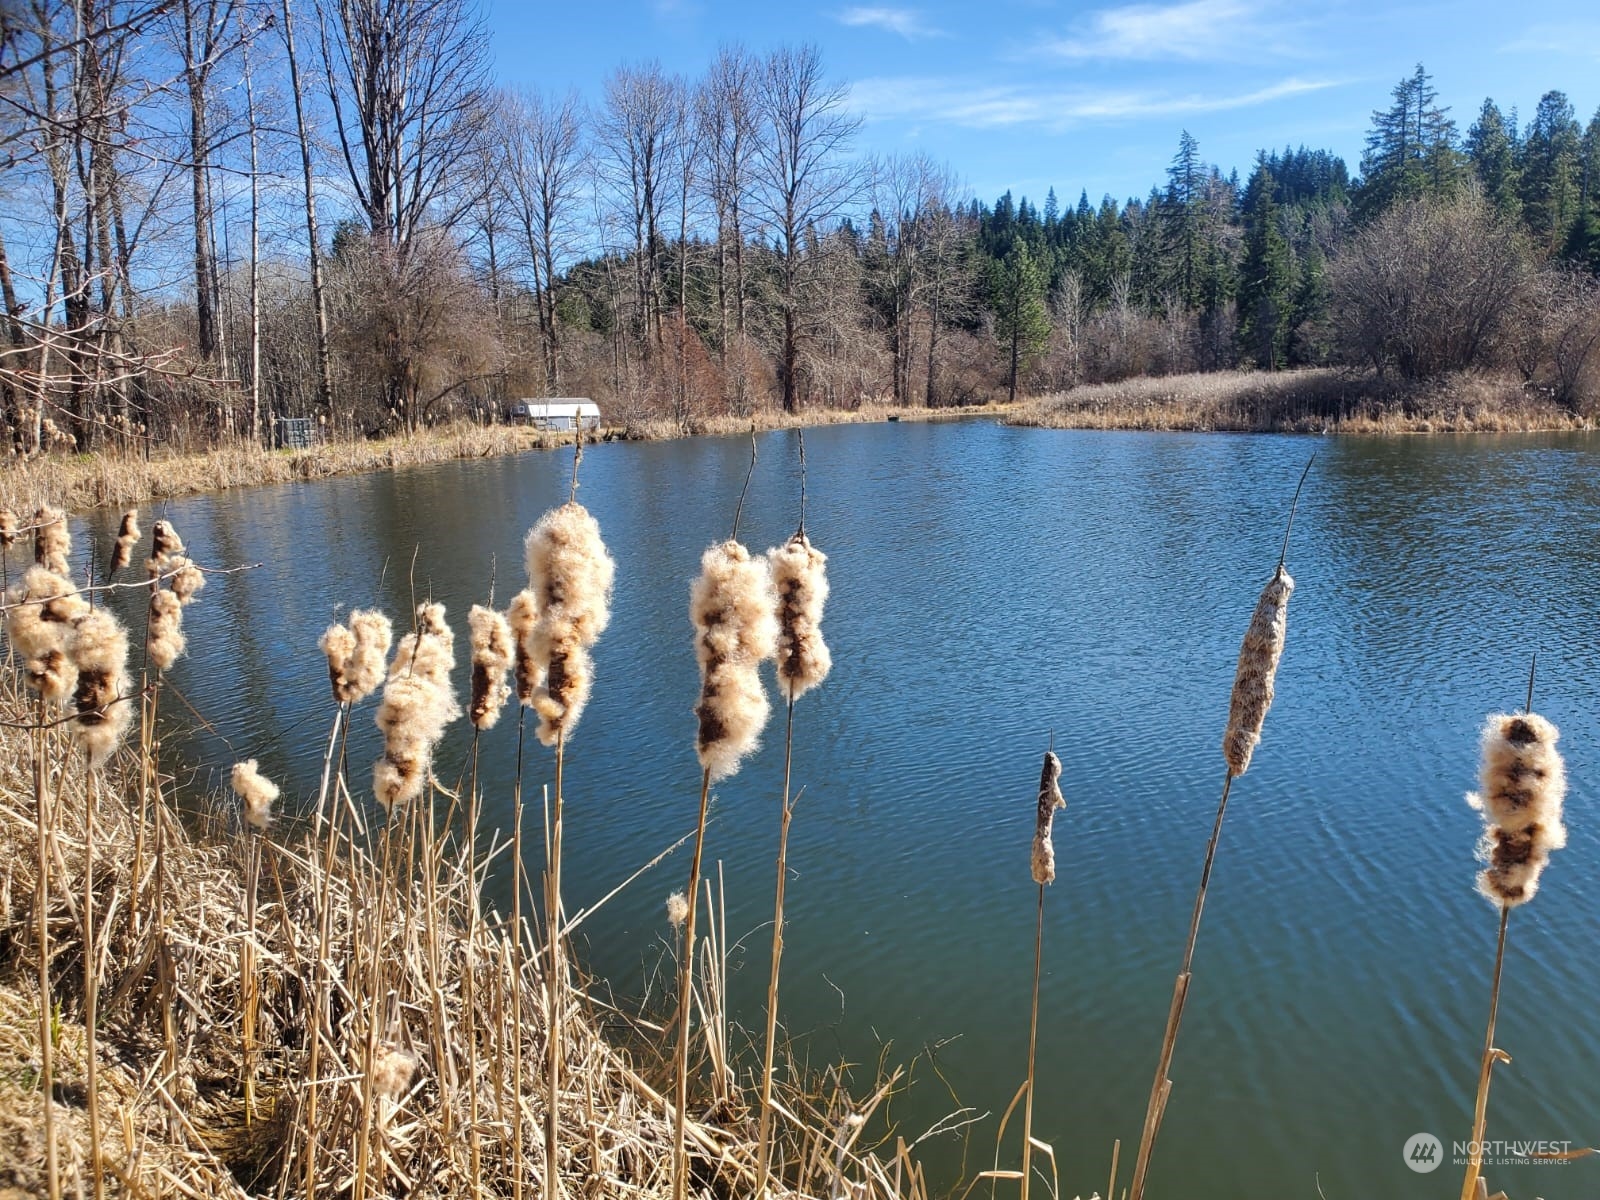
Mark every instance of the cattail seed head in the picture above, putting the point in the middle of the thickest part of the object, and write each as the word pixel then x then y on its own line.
pixel 99 649
pixel 392 1071
pixel 570 574
pixel 418 703
pixel 127 539
pixel 166 639
pixel 374 635
pixel 1253 683
pixel 1050 799
pixel 52 540
pixel 493 653
pixel 40 611
pixel 522 616
pixel 338 645
pixel 187 579
pixel 257 794
pixel 734 610
pixel 1523 784
pixel 8 529
pixel 164 544
pixel 799 574
pixel 677 909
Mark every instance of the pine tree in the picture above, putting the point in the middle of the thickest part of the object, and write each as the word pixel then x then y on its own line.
pixel 1182 216
pixel 1411 150
pixel 1265 276
pixel 1491 148
pixel 1021 322
pixel 1551 155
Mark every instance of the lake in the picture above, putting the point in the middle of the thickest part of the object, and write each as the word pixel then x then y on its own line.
pixel 993 587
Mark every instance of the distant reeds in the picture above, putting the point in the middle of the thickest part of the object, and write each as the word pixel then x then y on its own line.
pixel 1522 784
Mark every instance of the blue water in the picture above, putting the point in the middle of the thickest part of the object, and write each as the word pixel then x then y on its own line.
pixel 993 587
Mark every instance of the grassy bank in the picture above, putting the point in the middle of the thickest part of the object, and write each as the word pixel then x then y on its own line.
pixel 114 478
pixel 1313 401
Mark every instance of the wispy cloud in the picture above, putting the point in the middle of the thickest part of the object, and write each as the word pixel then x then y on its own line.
pixel 1580 39
pixel 1191 31
pixel 905 22
pixel 998 106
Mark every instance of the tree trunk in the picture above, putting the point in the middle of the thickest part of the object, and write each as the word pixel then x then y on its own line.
pixel 318 295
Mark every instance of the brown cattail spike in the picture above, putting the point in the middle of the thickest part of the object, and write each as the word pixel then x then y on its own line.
pixel 1523 783
pixel 52 541
pixel 1253 684
pixel 1050 799
pixel 570 573
pixel 338 646
pixel 99 649
pixel 127 539
pixel 522 616
pixel 257 794
pixel 799 574
pixel 8 529
pixel 493 653
pixel 734 610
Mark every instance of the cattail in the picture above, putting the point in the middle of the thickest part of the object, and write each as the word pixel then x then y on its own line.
pixel 166 642
pixel 493 653
pixel 99 649
pixel 522 616
pixel 8 529
pixel 1258 667
pixel 1050 799
pixel 127 539
pixel 799 574
pixel 164 544
pixel 52 540
pixel 374 635
pixel 392 1071
pixel 677 909
pixel 257 794
pixel 417 705
pixel 338 645
pixel 187 579
pixel 39 619
pixel 570 574
pixel 733 609
pixel 1523 783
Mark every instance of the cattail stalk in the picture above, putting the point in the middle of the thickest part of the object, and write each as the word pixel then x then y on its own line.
pixel 257 794
pixel 1044 873
pixel 1253 691
pixel 1524 783
pixel 42 818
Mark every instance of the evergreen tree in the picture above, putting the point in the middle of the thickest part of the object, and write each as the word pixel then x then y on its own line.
pixel 1182 216
pixel 1492 150
pixel 1021 321
pixel 1265 276
pixel 1410 149
pixel 1551 155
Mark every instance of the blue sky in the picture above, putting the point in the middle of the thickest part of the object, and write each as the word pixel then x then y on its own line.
pixel 1027 94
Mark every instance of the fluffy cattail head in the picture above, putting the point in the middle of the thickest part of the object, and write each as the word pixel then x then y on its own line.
pixel 374 635
pixel 99 649
pixel 493 652
pixel 799 573
pixel 166 640
pixel 733 608
pixel 1050 799
pixel 392 1071
pixel 257 794
pixel 570 574
pixel 522 616
pixel 338 645
pixel 41 610
pixel 52 541
pixel 187 579
pixel 1258 669
pixel 1523 783
pixel 677 909
pixel 417 705
pixel 127 539
pixel 164 544
pixel 8 529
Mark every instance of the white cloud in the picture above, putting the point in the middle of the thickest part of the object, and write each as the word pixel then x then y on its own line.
pixel 1579 39
pixel 999 106
pixel 905 22
pixel 1193 30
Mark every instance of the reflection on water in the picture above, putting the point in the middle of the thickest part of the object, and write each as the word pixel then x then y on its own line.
pixel 991 586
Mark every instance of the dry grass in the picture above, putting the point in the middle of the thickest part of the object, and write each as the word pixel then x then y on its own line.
pixel 867 414
pixel 1312 401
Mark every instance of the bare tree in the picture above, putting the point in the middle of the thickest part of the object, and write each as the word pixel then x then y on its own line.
pixel 319 295
pixel 725 114
pixel 543 179
pixel 804 178
pixel 407 81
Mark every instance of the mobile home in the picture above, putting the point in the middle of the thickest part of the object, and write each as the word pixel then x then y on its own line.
pixel 565 413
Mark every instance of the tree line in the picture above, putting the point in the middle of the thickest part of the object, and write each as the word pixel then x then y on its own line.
pixel 222 212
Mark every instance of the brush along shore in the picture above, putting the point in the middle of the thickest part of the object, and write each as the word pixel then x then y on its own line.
pixel 121 478
pixel 1311 401
pixel 433 1005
